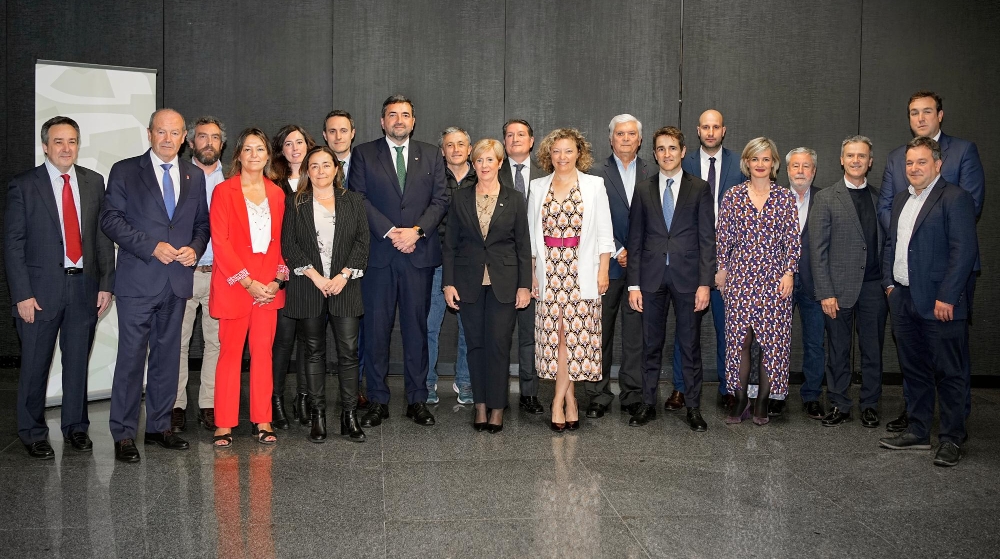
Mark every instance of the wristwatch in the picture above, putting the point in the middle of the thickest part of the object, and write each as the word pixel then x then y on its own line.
pixel 420 231
pixel 345 275
pixel 281 283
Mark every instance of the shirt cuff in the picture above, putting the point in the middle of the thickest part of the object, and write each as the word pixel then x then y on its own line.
pixel 282 269
pixel 617 252
pixel 238 276
pixel 633 288
pixel 391 229
pixel 356 273
pixel 301 270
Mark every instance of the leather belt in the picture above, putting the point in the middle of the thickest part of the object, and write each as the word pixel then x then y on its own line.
pixel 562 241
pixel 205 269
pixel 73 271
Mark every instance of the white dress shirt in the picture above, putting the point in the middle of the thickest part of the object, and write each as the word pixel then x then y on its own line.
pixel 904 230
pixel 55 177
pixel 524 170
pixel 260 225
pixel 212 180
pixel 802 205
pixel 392 152
pixel 627 173
pixel 175 174
pixel 718 177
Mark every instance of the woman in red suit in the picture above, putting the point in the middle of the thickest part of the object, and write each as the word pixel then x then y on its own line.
pixel 248 273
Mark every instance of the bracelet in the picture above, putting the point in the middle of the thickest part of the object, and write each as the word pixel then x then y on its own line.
pixel 249 285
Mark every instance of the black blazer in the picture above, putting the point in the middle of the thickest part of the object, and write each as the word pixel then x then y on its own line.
pixel 506 250
pixel 33 245
pixel 618 202
pixel 300 249
pixel 690 240
pixel 506 176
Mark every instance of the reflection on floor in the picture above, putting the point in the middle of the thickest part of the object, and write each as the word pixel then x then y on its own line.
pixel 788 489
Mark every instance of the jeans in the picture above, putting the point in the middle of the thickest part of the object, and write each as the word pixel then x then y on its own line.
pixel 434 320
pixel 811 315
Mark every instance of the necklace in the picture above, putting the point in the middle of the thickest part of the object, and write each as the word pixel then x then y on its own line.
pixel 326 198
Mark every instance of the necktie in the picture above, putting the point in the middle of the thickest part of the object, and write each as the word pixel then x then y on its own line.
pixel 400 166
pixel 711 176
pixel 168 190
pixel 347 167
pixel 668 209
pixel 519 178
pixel 71 223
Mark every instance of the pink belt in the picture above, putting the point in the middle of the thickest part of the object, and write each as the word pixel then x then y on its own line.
pixel 562 241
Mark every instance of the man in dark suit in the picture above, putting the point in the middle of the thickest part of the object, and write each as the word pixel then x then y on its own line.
pixel 801 167
pixel 156 210
pixel 960 165
pixel 517 172
pixel 60 270
pixel 930 250
pixel 403 184
pixel 621 172
pixel 720 168
pixel 671 244
pixel 846 249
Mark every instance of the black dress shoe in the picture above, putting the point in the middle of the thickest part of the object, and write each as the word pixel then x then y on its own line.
pixel 695 421
pixel 906 441
pixel 126 451
pixel 350 426
pixel 40 450
pixel 836 418
pixel 948 455
pixel 206 418
pixel 674 402
pixel 631 408
pixel 814 410
pixel 178 420
pixel 899 424
pixel 531 404
pixel 279 419
pixel 166 439
pixel 727 401
pixel 376 414
pixel 643 415
pixel 869 418
pixel 775 408
pixel 595 410
pixel 79 441
pixel 420 414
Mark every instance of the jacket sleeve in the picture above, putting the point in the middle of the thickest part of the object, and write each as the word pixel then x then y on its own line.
pixel 972 179
pixel 522 244
pixel 358 258
pixel 222 220
pixel 377 222
pixel 105 250
pixel 429 220
pixel 820 230
pixel 451 240
pixel 636 238
pixel 15 238
pixel 963 247
pixel 295 257
pixel 113 220
pixel 706 238
pixel 605 229
pixel 887 193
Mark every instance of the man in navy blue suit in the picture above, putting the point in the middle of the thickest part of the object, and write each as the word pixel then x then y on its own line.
pixel 930 250
pixel 404 187
pixel 960 165
pixel 721 169
pixel 156 210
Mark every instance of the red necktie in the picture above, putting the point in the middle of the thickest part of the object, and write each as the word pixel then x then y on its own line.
pixel 71 223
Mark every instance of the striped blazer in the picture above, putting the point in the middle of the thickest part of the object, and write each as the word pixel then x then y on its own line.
pixel 350 250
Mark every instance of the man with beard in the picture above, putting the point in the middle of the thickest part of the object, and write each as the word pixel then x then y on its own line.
pixel 206 137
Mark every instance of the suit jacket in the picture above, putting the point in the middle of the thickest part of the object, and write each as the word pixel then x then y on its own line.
pixel 234 257
pixel 135 217
pixel 596 235
pixel 422 202
pixel 942 249
pixel 506 175
pixel 33 244
pixel 690 242
pixel 729 174
pixel 805 259
pixel 837 246
pixel 619 204
pixel 506 250
pixel 300 248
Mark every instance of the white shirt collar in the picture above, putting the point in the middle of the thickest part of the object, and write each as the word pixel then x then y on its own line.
pixel 704 156
pixel 937 137
pixel 851 185
pixel 157 161
pixel 622 163
pixel 926 191
pixel 392 145
pixel 676 176
pixel 56 174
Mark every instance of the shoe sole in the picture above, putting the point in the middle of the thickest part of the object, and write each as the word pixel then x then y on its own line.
pixel 945 464
pixel 165 446
pixel 908 447
pixel 869 425
pixel 835 424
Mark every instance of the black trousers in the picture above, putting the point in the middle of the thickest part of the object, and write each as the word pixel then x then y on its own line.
pixel 870 312
pixel 615 302
pixel 489 330
pixel 281 352
pixel 655 305
pixel 525 350
pixel 345 335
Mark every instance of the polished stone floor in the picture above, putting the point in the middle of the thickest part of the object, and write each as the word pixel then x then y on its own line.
pixel 789 489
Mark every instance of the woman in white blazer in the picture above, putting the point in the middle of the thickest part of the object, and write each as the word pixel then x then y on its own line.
pixel 569 222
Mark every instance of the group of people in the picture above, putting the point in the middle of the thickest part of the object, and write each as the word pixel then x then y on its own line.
pixel 294 237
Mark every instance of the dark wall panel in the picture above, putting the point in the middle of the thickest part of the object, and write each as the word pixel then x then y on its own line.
pixel 949 48
pixel 8 338
pixel 247 69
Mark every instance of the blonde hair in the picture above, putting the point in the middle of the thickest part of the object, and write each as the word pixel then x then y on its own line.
pixel 486 144
pixel 583 162
pixel 756 146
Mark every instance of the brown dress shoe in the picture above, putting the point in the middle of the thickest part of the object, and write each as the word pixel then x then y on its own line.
pixel 674 402
pixel 178 420
pixel 362 401
pixel 206 417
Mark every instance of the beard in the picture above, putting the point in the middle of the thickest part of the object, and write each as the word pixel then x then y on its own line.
pixel 208 155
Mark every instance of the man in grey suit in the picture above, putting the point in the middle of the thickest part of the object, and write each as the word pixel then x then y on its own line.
pixel 846 246
pixel 517 172
pixel 60 270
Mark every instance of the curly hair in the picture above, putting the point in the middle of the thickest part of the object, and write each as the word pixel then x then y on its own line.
pixel 583 162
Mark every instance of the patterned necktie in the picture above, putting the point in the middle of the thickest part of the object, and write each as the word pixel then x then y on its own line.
pixel 668 208
pixel 711 176
pixel 519 178
pixel 71 223
pixel 400 166
pixel 168 190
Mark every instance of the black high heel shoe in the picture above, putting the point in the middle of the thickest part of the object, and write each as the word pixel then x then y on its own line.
pixel 478 425
pixel 278 417
pixel 317 429
pixel 300 408
pixel 350 426
pixel 495 428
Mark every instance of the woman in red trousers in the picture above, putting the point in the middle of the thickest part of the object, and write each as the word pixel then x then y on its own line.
pixel 247 277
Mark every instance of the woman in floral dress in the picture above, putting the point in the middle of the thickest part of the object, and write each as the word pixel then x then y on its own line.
pixel 571 244
pixel 757 243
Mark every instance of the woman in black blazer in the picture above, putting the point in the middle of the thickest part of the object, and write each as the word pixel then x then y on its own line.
pixel 325 243
pixel 487 277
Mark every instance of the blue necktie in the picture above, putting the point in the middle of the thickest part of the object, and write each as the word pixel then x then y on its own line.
pixel 668 209
pixel 168 190
pixel 519 179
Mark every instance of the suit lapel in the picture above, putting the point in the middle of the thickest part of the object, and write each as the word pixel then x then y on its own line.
pixel 684 193
pixel 874 196
pixel 727 162
pixel 277 202
pixel 502 201
pixel 617 182
pixel 840 189
pixel 414 163
pixel 185 174
pixel 44 185
pixel 148 176
pixel 89 197
pixel 241 210
pixel 932 198
pixel 654 194
pixel 388 159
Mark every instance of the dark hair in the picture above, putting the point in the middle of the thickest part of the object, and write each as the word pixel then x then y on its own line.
pixel 392 100
pixel 203 121
pixel 517 121
pixel 925 93
pixel 672 132
pixel 56 120
pixel 305 185
pixel 282 170
pixel 338 112
pixel 236 167
pixel 929 143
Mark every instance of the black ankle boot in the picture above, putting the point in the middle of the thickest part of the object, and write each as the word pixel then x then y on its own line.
pixel 350 427
pixel 317 430
pixel 300 408
pixel 278 418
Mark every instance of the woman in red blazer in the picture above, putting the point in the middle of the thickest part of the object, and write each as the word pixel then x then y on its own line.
pixel 247 277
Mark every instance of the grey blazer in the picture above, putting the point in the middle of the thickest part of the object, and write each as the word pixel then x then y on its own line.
pixel 837 245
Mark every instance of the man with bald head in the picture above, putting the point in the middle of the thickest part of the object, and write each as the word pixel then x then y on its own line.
pixel 156 210
pixel 721 169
